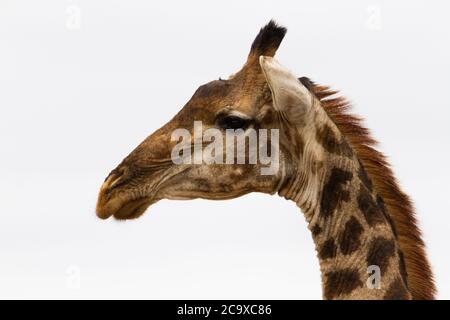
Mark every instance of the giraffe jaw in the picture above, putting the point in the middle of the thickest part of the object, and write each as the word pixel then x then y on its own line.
pixel 133 209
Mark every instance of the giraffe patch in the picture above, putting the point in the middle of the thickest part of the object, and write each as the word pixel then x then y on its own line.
pixel 327 138
pixel 328 249
pixel 316 230
pixel 368 207
pixel 333 191
pixel 380 252
pixel 350 238
pixel 396 291
pixel 341 282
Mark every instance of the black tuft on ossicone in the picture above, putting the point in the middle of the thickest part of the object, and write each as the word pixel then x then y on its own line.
pixel 268 39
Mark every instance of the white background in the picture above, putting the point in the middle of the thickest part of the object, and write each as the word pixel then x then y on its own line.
pixel 76 95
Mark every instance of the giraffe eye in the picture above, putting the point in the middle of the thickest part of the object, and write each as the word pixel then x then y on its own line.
pixel 233 122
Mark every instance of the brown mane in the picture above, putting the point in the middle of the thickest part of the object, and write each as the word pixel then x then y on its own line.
pixel 398 204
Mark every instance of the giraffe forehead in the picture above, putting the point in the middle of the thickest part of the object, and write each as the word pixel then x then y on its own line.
pixel 237 95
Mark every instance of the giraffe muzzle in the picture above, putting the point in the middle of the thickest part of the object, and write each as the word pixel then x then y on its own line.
pixel 118 196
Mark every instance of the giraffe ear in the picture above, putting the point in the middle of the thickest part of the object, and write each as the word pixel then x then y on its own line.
pixel 289 95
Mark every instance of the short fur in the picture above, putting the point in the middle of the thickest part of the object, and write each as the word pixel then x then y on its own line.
pixel 397 203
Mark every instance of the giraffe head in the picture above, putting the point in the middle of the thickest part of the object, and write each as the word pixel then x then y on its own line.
pixel 321 154
pixel 249 101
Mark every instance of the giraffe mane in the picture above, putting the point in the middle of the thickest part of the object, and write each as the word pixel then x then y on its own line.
pixel 398 204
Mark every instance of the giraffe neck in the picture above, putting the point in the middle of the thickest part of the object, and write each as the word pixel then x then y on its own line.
pixel 353 234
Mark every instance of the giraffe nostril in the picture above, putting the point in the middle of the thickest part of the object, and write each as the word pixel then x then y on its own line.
pixel 113 179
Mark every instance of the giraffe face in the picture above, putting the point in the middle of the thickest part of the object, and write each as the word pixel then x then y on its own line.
pixel 149 174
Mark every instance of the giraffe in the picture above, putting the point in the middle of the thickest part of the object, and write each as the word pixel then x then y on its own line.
pixel 358 216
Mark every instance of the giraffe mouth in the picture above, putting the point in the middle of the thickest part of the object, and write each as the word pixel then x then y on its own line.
pixel 120 205
pixel 118 199
pixel 122 209
pixel 133 209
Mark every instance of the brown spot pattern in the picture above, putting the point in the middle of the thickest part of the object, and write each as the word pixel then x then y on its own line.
pixel 396 291
pixel 380 251
pixel 328 249
pixel 327 138
pixel 333 193
pixel 367 206
pixel 350 238
pixel 400 208
pixel 316 230
pixel 341 282
pixel 346 150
